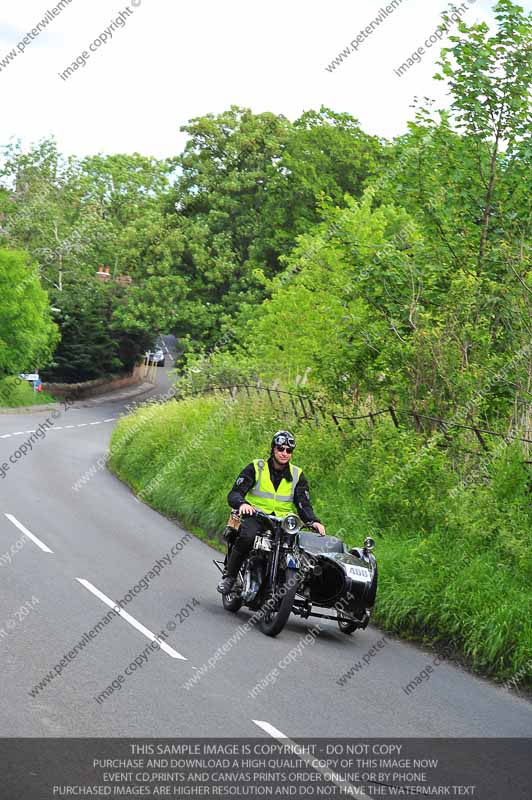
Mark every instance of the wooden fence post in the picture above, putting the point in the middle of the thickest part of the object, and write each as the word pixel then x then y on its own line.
pixel 293 406
pixel 391 409
pixel 480 438
pixel 314 412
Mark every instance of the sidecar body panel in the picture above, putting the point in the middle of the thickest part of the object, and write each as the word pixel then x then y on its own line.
pixel 334 574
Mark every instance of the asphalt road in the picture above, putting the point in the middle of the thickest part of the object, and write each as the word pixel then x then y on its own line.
pixel 102 543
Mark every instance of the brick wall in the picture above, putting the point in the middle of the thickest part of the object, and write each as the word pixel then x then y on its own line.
pixel 74 391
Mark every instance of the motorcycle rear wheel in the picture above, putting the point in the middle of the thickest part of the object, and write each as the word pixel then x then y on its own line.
pixel 274 619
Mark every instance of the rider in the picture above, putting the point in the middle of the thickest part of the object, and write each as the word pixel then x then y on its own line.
pixel 274 486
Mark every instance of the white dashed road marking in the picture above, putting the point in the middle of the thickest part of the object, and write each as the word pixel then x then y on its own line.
pixel 310 760
pixel 28 533
pixel 132 621
pixel 59 427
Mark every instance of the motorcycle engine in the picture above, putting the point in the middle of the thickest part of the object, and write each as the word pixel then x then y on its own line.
pixel 252 580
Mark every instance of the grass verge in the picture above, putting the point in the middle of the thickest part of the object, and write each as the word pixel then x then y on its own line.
pixel 455 563
pixel 15 392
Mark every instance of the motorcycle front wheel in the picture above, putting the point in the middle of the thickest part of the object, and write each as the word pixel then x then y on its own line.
pixel 275 612
pixel 233 600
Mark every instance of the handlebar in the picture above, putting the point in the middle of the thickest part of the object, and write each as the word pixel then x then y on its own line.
pixel 263 514
pixel 274 518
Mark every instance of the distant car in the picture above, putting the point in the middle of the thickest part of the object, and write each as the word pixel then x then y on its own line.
pixel 155 357
pixel 33 379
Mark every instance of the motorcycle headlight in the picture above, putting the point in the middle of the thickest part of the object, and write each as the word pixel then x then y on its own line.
pixel 291 524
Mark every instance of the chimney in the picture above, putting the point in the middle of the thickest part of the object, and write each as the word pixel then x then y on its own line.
pixel 103 273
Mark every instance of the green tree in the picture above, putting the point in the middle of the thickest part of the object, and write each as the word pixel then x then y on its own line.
pixel 490 78
pixel 220 201
pixel 96 339
pixel 27 333
pixel 326 156
pixel 250 184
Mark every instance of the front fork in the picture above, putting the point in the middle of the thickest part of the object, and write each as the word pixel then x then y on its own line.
pixel 274 567
pixel 291 563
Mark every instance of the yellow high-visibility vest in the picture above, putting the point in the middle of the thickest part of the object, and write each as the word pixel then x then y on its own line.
pixel 264 496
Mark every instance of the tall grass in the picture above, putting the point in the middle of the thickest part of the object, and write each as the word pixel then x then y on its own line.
pixel 455 566
pixel 14 394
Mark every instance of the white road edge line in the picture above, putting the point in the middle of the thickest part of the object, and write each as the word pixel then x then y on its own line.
pixel 95 423
pixel 132 621
pixel 5 436
pixel 112 419
pixel 283 739
pixel 27 533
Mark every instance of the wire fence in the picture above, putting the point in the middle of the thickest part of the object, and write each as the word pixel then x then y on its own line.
pixel 308 409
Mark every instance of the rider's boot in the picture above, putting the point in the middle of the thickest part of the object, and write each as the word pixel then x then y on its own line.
pixel 233 565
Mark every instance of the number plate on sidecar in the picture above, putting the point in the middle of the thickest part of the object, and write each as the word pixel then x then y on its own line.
pixel 358 573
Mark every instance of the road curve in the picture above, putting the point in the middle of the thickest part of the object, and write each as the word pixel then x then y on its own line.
pixel 69 555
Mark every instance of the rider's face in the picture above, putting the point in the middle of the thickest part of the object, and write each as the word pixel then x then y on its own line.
pixel 281 455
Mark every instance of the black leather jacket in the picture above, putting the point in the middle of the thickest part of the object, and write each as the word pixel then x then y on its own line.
pixel 246 480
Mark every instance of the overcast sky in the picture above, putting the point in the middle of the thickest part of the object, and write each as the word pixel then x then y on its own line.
pixel 172 60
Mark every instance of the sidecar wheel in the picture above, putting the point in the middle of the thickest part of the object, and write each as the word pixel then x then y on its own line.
pixel 273 621
pixel 346 627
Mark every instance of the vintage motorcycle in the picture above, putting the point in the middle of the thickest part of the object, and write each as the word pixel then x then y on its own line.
pixel 289 570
